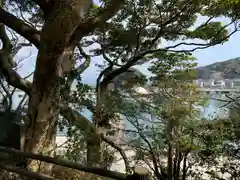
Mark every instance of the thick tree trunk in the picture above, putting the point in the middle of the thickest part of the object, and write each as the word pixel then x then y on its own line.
pixel 45 98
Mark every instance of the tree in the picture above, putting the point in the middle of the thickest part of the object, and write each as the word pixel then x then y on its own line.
pixel 176 142
pixel 165 140
pixel 44 104
pixel 132 36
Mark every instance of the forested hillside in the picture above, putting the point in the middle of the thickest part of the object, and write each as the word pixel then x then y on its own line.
pixel 229 69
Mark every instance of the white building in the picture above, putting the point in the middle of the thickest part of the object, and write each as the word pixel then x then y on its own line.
pixel 236 83
pixel 218 83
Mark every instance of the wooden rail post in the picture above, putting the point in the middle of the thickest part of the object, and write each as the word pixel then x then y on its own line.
pixel 140 173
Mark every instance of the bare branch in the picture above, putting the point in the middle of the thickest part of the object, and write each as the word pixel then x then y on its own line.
pixel 21 104
pixel 24 19
pixel 18 47
pixel 151 151
pixel 28 75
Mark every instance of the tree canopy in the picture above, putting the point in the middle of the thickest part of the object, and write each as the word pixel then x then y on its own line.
pixel 122 34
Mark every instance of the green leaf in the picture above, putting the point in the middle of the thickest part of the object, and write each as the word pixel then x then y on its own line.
pixel 213 31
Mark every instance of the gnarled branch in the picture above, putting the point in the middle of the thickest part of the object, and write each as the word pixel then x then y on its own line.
pixel 31 34
pixel 6 63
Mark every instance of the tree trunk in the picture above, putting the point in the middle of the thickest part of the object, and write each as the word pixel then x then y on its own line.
pixel 170 162
pixel 45 98
pixel 184 169
pixel 178 166
pixel 93 150
pixel 170 150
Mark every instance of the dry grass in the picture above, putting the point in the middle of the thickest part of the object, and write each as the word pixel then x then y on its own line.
pixel 59 173
pixel 63 173
pixel 6 175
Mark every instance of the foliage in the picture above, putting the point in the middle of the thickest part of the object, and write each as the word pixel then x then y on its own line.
pixel 176 133
pixel 119 40
pixel 140 32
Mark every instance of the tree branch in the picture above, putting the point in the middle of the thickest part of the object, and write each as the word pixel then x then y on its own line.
pixel 87 127
pixel 86 64
pixel 6 64
pixel 31 34
pixel 79 70
pixel 96 18
pixel 78 120
pixel 99 16
pixel 13 78
pixel 135 59
pixel 150 150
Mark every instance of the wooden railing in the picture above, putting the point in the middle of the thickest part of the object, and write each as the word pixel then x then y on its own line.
pixel 140 173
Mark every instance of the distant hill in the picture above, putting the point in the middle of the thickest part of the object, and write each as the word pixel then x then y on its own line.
pixel 229 69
